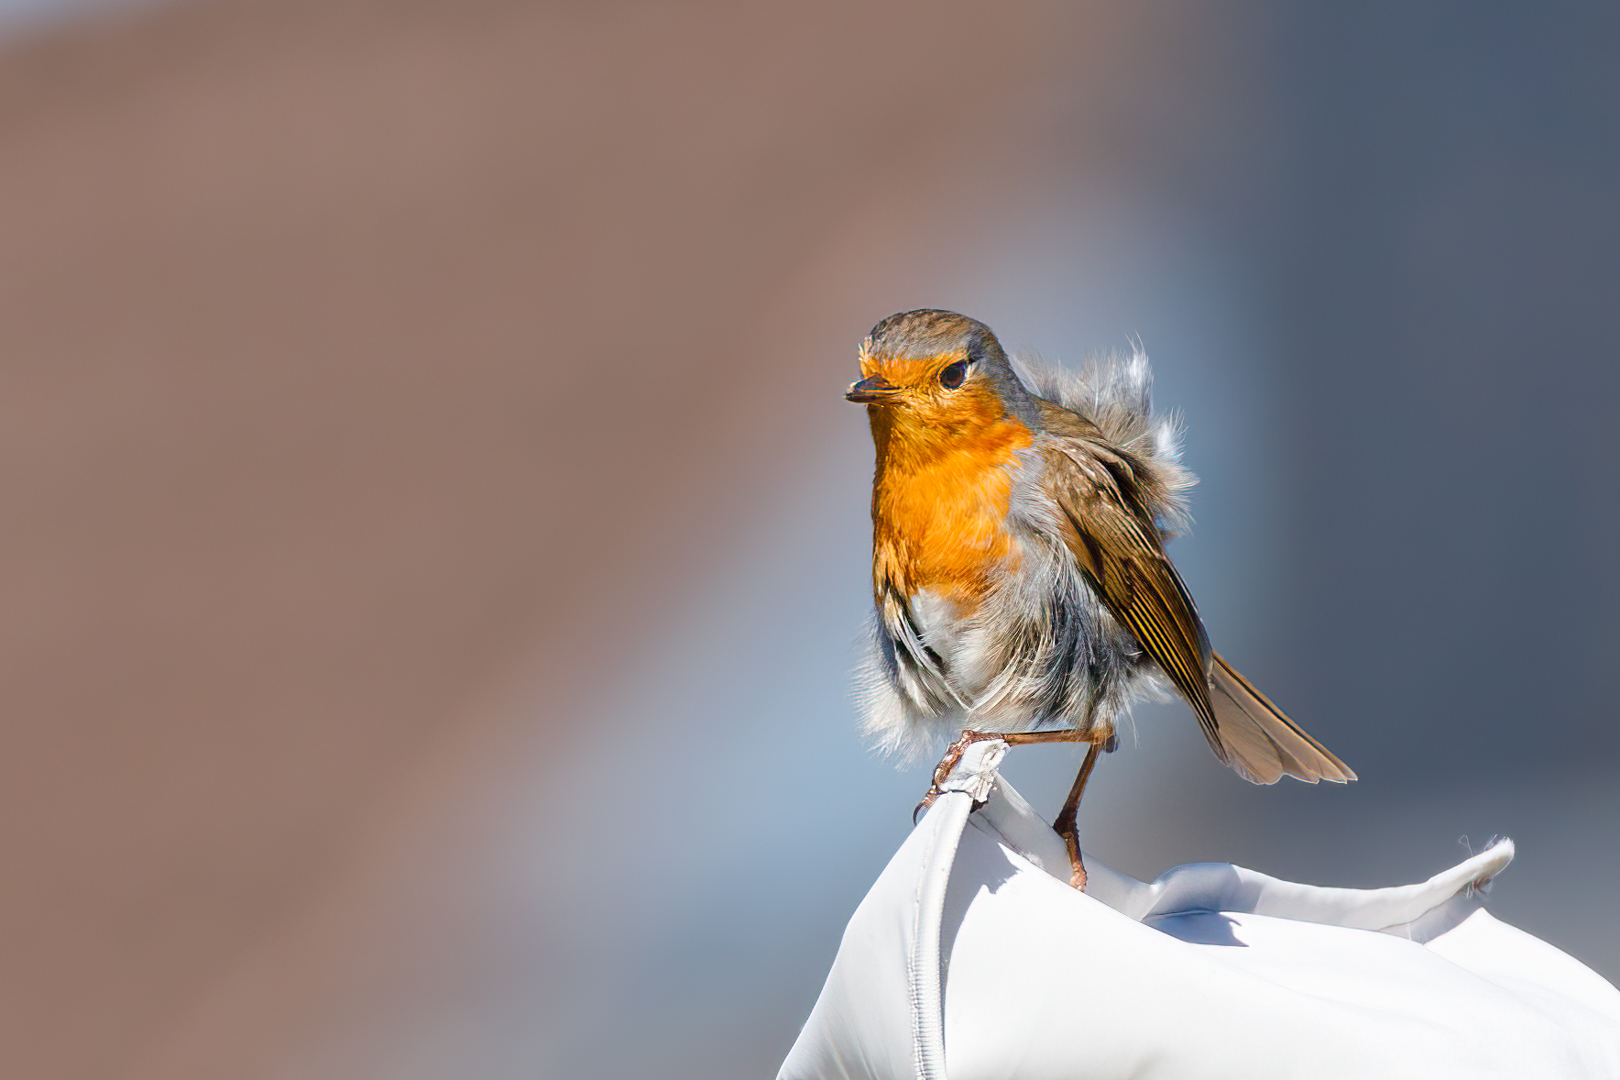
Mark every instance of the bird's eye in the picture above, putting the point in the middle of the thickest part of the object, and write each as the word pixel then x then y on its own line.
pixel 952 376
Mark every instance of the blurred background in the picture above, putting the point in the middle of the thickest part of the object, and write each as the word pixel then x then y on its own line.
pixel 435 540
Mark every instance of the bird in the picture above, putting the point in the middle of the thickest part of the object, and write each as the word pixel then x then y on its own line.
pixel 1020 585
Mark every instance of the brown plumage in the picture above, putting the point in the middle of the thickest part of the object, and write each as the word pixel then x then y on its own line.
pixel 1019 572
pixel 1108 526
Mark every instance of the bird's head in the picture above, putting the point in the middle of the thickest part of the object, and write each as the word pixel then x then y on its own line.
pixel 929 375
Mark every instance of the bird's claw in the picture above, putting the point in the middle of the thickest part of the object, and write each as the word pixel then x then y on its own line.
pixel 947 765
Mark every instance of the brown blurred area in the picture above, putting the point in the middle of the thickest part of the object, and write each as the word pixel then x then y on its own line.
pixel 351 354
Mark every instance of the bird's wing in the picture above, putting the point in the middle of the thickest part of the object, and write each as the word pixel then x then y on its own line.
pixel 1119 551
pixel 920 672
pixel 1117 544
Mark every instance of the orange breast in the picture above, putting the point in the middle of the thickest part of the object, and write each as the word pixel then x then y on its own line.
pixel 939 509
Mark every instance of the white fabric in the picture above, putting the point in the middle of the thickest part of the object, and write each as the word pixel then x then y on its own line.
pixel 971 958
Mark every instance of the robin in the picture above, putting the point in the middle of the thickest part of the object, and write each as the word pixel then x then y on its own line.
pixel 1022 590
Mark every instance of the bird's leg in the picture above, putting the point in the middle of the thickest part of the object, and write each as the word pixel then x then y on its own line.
pixel 968 737
pixel 1066 825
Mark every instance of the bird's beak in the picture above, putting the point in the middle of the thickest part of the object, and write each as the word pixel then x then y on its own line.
pixel 872 390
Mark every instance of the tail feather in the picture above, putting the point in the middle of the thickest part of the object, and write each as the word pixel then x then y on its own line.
pixel 1261 743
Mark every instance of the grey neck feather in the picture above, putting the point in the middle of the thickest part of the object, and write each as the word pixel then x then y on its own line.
pixel 983 348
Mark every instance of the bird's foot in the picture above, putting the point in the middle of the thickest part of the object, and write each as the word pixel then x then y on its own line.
pixel 1077 865
pixel 947 765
